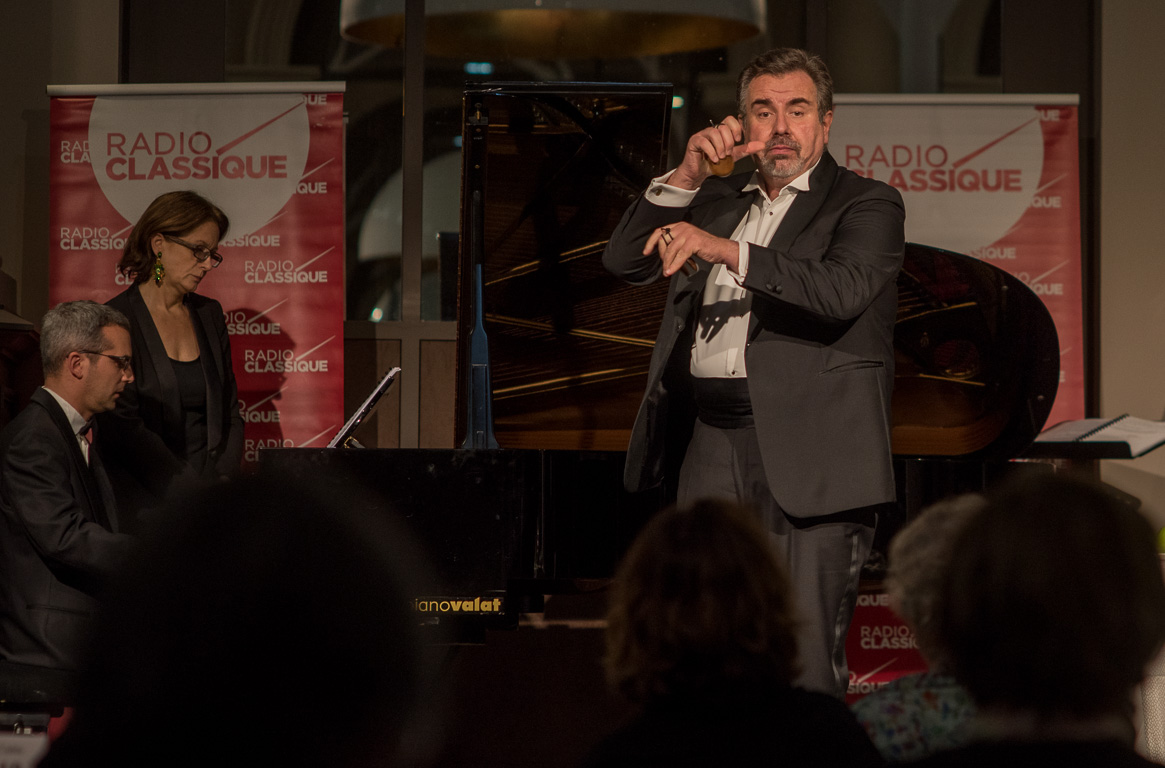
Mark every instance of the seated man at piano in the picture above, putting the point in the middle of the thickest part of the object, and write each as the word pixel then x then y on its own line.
pixel 771 375
pixel 60 541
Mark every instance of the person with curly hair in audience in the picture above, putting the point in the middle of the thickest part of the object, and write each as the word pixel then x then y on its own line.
pixel 701 635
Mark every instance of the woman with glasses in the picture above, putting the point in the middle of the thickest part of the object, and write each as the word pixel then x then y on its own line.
pixel 179 420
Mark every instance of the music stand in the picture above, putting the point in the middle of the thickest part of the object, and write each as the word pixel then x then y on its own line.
pixel 343 438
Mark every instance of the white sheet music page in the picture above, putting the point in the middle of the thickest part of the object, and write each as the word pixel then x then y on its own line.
pixel 1070 431
pixel 1142 435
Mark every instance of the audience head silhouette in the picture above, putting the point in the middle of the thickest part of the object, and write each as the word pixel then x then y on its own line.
pixel 925 713
pixel 918 559
pixel 264 625
pixel 1055 601
pixel 698 601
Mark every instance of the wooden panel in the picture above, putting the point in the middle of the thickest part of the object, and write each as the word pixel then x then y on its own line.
pixel 365 362
pixel 438 394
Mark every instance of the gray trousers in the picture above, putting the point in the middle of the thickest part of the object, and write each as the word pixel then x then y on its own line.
pixel 823 555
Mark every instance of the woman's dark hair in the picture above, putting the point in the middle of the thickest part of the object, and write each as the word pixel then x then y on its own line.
pixel 698 600
pixel 1054 599
pixel 175 214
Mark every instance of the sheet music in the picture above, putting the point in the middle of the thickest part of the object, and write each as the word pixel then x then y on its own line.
pixel 1140 435
pixel 1070 431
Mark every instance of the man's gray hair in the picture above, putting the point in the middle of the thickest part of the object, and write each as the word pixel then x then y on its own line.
pixel 781 61
pixel 73 326
pixel 918 559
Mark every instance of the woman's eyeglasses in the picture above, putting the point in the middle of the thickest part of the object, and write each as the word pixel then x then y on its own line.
pixel 201 252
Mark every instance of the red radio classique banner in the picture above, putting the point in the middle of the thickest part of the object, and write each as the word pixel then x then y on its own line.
pixel 271 157
pixel 994 177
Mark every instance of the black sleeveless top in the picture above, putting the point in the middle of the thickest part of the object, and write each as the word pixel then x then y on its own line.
pixel 192 393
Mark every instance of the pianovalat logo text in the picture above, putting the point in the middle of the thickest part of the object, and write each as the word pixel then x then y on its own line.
pixel 488 604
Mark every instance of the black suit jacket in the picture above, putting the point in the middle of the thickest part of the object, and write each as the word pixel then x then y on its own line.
pixel 820 355
pixel 60 538
pixel 144 439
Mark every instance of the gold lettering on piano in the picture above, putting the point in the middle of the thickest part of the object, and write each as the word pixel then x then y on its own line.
pixel 486 604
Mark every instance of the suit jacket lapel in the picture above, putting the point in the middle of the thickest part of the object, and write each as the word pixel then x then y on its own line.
pixel 103 488
pixel 725 214
pixel 803 210
pixel 212 371
pixel 806 205
pixel 93 502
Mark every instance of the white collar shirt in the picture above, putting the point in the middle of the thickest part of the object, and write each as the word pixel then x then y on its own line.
pixel 722 331
pixel 76 422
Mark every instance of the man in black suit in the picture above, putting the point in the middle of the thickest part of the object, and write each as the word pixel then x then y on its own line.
pixel 60 539
pixel 772 372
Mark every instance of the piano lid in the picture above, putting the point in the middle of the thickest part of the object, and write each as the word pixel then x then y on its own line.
pixel 555 166
pixel 977 359
pixel 549 169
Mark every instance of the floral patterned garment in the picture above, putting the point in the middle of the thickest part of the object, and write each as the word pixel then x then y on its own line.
pixel 915 716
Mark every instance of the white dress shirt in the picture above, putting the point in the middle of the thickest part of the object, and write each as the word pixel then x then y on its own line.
pixel 76 422
pixel 722 332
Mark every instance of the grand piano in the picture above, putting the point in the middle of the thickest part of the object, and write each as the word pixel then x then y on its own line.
pixel 553 358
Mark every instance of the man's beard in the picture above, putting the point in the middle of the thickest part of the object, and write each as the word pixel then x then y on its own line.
pixel 782 167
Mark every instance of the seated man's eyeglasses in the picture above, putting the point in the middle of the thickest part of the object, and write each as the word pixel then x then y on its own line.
pixel 124 362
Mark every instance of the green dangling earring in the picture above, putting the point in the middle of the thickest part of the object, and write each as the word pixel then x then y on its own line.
pixel 159 270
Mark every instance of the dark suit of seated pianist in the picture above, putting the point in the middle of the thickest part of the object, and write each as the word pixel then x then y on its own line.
pixel 59 540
